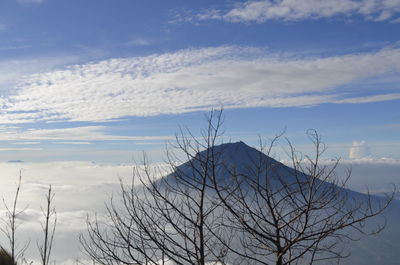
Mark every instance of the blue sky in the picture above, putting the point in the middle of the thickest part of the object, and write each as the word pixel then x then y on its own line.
pixel 101 80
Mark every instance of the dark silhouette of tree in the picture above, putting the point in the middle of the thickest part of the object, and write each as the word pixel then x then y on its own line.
pixel 163 219
pixel 48 228
pixel 11 225
pixel 214 209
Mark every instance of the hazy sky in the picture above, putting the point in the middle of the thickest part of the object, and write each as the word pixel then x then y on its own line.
pixel 102 80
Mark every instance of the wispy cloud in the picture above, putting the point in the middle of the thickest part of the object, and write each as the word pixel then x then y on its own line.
pixel 74 135
pixel 73 143
pixel 26 143
pixel 20 149
pixel 191 80
pixel 296 10
pixel 368 99
pixel 138 41
pixel 24 2
pixel 396 21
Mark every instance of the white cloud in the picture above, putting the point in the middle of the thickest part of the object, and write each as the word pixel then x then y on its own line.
pixel 12 71
pixel 82 187
pixel 376 175
pixel 75 134
pixel 359 149
pixel 190 80
pixel 367 99
pixel 296 10
pixel 76 184
pixel 368 174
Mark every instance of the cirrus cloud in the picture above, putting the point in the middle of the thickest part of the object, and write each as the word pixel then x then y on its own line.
pixel 296 10
pixel 193 80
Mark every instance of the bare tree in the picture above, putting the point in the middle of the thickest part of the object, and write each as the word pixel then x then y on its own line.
pixel 297 215
pixel 173 218
pixel 11 225
pixel 213 208
pixel 48 228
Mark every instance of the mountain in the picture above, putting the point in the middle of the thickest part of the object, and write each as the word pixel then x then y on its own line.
pixel 232 158
pixel 239 160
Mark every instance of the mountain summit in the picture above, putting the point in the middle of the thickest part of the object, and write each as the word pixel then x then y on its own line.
pixel 229 159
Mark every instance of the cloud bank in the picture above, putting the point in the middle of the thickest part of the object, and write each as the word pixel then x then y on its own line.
pixel 194 80
pixel 83 187
pixel 80 188
pixel 297 10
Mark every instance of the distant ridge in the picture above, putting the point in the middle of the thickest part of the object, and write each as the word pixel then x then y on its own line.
pixel 15 161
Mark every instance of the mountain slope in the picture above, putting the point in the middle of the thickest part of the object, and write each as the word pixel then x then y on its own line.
pixel 228 162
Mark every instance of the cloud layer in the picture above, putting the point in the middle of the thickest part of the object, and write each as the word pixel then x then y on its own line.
pixel 195 79
pixel 80 188
pixel 83 187
pixel 296 10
